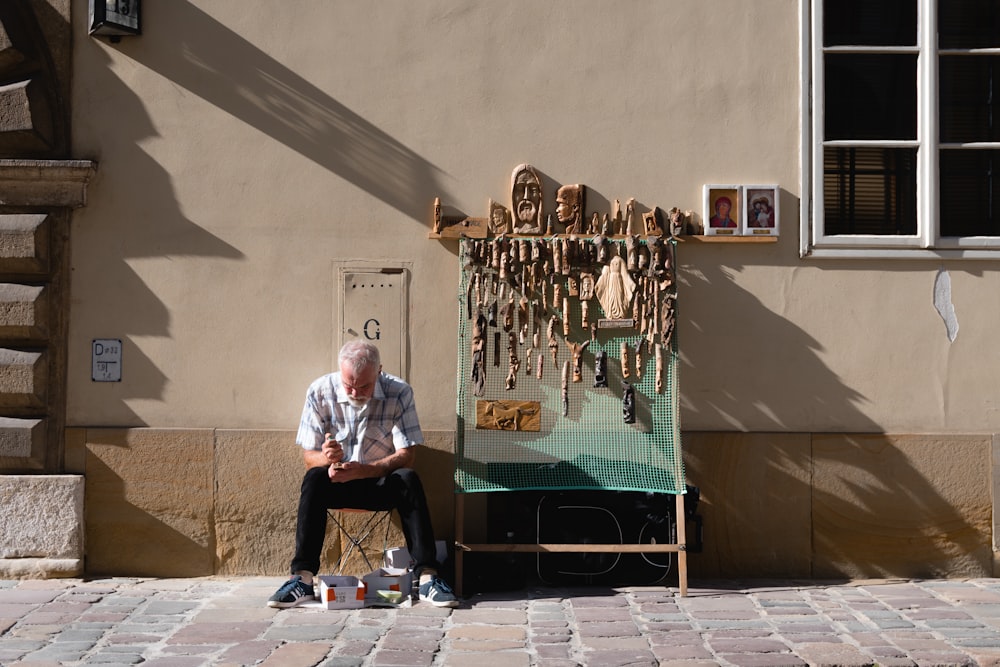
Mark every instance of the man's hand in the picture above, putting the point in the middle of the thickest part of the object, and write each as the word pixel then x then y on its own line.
pixel 348 471
pixel 332 450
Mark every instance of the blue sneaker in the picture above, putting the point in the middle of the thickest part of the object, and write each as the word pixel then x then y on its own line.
pixel 292 592
pixel 438 593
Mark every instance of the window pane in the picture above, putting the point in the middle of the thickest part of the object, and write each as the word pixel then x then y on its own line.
pixel 870 191
pixel 968 106
pixel 970 193
pixel 968 24
pixel 869 22
pixel 871 96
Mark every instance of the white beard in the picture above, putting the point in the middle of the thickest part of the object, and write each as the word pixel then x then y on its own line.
pixel 356 404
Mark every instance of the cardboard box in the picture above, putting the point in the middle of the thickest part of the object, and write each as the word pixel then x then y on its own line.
pixel 400 556
pixel 388 579
pixel 336 592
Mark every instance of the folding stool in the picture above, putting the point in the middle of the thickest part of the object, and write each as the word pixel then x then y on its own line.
pixel 352 542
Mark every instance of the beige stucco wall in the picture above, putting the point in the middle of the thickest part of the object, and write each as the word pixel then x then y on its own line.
pixel 245 150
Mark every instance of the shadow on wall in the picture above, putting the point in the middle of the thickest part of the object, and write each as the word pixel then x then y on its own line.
pixel 218 65
pixel 825 499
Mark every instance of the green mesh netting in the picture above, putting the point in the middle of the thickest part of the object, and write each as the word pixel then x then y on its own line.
pixel 591 447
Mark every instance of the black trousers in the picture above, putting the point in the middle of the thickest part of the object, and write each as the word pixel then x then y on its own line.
pixel 400 490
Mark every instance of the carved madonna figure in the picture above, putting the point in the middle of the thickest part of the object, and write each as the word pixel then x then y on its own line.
pixel 615 288
pixel 526 200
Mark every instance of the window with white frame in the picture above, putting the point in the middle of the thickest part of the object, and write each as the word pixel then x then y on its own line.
pixel 903 130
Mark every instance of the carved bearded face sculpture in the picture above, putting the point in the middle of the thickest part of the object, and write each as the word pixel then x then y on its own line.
pixel 526 199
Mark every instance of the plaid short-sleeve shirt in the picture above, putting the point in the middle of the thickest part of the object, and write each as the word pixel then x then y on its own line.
pixel 388 422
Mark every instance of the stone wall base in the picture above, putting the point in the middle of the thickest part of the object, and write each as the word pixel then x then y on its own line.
pixel 40 568
pixel 42 533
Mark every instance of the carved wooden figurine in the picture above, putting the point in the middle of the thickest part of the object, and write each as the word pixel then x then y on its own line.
pixel 631 223
pixel 632 250
pixel 659 368
pixel 638 358
pixel 576 351
pixel 624 359
pixel 523 311
pixel 565 389
pixel 507 315
pixel 478 377
pixel 515 363
pixel 438 218
pixel 628 402
pixel 565 316
pixel 658 258
pixel 553 341
pixel 677 221
pixel 614 289
pixel 601 369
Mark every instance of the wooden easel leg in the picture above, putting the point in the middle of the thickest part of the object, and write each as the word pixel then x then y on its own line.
pixel 459 541
pixel 682 563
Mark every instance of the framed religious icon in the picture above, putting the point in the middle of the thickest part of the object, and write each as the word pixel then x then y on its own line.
pixel 760 210
pixel 723 210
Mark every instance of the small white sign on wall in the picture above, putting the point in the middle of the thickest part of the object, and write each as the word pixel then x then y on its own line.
pixel 107 360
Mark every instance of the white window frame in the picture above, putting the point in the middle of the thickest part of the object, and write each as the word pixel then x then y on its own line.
pixel 926 243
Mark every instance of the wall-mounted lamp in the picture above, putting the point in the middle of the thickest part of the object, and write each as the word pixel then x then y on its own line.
pixel 115 18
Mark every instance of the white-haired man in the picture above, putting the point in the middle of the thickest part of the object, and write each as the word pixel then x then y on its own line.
pixel 358 432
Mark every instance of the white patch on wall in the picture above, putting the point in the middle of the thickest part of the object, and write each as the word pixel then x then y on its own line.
pixel 943 304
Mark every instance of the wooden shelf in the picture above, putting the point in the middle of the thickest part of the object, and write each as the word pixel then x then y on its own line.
pixel 726 239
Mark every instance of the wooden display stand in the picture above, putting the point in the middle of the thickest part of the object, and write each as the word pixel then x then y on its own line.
pixel 680 547
pixel 534 286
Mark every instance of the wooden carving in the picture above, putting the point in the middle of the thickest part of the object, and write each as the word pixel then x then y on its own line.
pixel 678 221
pixel 508 415
pixel 507 315
pixel 631 224
pixel 632 249
pixel 479 355
pixel 499 219
pixel 576 351
pixel 624 359
pixel 595 224
pixel 614 289
pixel 569 208
pixel 456 227
pixel 526 200
pixel 514 364
pixel 601 369
pixel 659 368
pixel 628 402
pixel 651 222
pixel 553 341
pixel 565 389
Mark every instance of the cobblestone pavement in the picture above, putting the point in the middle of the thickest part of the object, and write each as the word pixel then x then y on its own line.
pixel 224 621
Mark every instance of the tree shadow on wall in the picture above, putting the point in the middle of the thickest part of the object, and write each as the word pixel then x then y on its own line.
pixel 781 498
pixel 198 53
